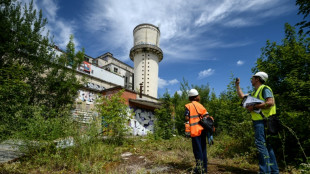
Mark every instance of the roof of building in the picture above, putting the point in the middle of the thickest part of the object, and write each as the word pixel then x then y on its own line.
pixel 147 24
pixel 111 56
pixel 120 88
pixel 141 103
pixel 145 104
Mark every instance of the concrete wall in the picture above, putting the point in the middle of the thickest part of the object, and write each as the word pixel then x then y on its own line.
pixel 146 34
pixel 146 55
pixel 107 76
pixel 146 72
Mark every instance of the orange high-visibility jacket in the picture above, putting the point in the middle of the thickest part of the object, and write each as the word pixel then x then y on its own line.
pixel 194 117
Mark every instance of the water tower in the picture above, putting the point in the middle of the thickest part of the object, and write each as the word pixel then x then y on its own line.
pixel 146 55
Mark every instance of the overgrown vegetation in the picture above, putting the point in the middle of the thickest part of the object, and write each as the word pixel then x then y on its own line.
pixel 115 115
pixel 38 90
pixel 35 84
pixel 287 65
pixel 164 119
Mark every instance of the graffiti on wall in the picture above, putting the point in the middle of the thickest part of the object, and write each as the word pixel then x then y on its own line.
pixel 143 122
pixel 88 97
pixel 94 86
pixel 85 66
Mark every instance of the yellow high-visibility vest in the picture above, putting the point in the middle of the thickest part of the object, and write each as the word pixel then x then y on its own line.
pixel 267 112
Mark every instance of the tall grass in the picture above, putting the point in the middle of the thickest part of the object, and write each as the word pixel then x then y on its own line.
pixel 98 155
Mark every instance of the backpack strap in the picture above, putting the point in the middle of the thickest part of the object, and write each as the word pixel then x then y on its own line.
pixel 196 109
pixel 200 116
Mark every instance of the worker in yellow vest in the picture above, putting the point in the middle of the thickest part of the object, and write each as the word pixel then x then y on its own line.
pixel 267 158
pixel 193 111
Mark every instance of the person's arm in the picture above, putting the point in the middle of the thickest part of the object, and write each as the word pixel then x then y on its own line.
pixel 269 101
pixel 239 91
pixel 267 104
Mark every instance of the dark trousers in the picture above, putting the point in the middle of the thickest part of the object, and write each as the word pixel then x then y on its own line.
pixel 200 152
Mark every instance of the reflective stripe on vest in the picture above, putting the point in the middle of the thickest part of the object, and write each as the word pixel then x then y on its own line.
pixel 195 128
pixel 267 112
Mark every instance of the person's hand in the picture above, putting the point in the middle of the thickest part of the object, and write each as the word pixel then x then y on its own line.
pixel 237 82
pixel 250 108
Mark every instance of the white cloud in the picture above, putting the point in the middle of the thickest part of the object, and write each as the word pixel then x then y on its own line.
pixel 180 22
pixel 110 23
pixel 205 73
pixel 63 35
pixel 59 28
pixel 240 22
pixel 163 83
pixel 240 62
pixel 179 92
pixel 174 81
pixel 50 8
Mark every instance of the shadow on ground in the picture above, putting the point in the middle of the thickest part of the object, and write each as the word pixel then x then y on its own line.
pixel 234 170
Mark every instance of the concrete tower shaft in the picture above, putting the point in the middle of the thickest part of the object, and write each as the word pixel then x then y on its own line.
pixel 146 55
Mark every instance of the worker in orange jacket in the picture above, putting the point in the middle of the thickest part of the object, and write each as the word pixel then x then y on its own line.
pixel 193 111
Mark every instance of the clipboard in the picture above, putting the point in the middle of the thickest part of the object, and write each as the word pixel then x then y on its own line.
pixel 249 100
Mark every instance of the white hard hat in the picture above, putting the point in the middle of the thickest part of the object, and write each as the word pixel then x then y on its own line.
pixel 192 92
pixel 262 75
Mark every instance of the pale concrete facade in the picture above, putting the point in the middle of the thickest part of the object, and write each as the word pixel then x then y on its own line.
pixel 146 55
pixel 110 63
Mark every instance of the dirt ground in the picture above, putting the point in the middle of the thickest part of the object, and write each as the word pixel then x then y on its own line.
pixel 139 164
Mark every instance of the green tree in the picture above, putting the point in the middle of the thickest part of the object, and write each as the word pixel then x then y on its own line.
pixel 287 65
pixel 304 9
pixel 226 109
pixel 204 93
pixel 179 110
pixel 33 81
pixel 61 82
pixel 163 118
pixel 115 116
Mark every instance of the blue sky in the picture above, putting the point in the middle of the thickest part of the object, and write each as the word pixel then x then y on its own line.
pixel 203 41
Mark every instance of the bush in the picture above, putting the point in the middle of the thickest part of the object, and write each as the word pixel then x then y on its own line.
pixel 163 119
pixel 115 116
